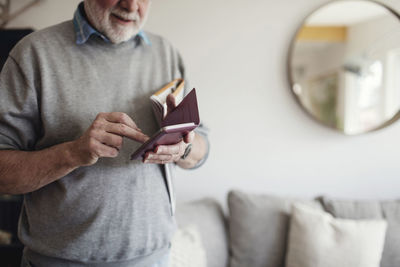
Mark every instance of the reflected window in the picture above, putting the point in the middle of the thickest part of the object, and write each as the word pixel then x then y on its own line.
pixel 345 65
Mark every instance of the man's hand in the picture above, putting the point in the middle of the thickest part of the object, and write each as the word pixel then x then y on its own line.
pixel 104 138
pixel 169 153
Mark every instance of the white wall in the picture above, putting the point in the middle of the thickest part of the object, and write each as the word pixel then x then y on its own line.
pixel 261 140
pixel 43 14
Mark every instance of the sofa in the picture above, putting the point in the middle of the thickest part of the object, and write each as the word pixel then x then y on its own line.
pixel 260 230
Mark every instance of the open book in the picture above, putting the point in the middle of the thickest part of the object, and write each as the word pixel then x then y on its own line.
pixel 175 124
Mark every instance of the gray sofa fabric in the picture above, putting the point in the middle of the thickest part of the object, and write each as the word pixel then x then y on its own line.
pixel 257 231
pixel 258 228
pixel 389 210
pixel 356 210
pixel 209 218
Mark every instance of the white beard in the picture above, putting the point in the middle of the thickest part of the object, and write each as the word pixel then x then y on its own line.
pixel 103 22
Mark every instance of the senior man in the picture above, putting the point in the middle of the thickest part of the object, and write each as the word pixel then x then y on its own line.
pixel 69 96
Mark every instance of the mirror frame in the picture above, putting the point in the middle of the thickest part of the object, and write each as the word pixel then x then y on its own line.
pixel 289 72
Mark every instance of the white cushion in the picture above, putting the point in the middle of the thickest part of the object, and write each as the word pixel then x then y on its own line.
pixel 316 239
pixel 187 248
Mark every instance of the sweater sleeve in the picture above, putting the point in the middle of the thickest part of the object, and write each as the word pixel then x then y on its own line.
pixel 180 72
pixel 19 112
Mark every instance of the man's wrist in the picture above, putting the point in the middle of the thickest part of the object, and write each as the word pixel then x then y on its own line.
pixel 188 161
pixel 71 156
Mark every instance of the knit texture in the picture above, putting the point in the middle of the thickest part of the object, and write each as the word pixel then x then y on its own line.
pixel 51 90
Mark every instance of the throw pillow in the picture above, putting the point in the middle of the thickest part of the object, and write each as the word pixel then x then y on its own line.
pixel 208 216
pixel 258 228
pixel 187 249
pixel 391 255
pixel 388 210
pixel 316 239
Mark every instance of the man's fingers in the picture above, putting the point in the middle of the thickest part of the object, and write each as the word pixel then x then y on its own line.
pixel 165 154
pixel 171 102
pixel 120 123
pixel 152 157
pixel 176 149
pixel 104 137
pixel 189 138
pixel 126 131
pixel 109 139
pixel 102 150
pixel 120 117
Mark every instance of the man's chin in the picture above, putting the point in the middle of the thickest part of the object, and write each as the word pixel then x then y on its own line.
pixel 120 38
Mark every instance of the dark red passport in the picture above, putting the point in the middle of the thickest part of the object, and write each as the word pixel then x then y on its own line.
pixel 176 124
pixel 187 111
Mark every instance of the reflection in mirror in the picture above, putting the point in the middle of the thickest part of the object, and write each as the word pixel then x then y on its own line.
pixel 344 65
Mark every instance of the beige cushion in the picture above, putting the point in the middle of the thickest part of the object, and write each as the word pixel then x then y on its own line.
pixel 316 239
pixel 187 249
pixel 388 210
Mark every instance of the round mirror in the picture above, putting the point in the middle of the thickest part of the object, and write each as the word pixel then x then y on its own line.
pixel 344 65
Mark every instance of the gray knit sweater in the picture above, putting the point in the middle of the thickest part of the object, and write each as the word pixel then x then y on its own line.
pixel 50 92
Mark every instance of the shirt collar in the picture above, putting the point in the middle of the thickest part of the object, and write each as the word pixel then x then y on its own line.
pixel 83 29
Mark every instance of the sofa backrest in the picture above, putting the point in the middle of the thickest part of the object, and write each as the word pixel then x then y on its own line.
pixel 207 215
pixel 258 228
pixel 388 210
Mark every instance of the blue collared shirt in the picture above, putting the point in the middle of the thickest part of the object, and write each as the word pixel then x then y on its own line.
pixel 84 30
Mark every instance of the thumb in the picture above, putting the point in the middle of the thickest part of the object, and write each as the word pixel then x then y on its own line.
pixel 171 104
pixel 189 138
